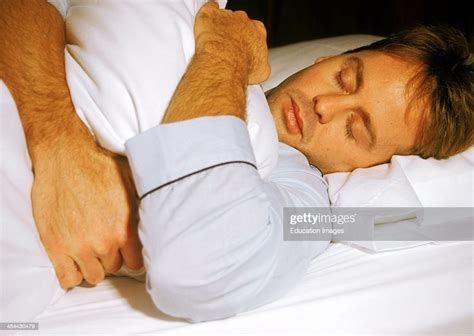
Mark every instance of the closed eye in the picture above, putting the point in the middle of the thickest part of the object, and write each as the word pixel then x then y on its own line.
pixel 348 131
pixel 338 80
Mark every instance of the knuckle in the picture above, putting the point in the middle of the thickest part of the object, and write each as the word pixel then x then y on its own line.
pixel 207 9
pixel 63 279
pixel 81 251
pixel 68 280
pixel 103 248
pixel 123 237
pixel 203 13
pixel 267 72
pixel 114 268
pixel 241 13
pixel 75 280
pixel 95 278
pixel 259 23
pixel 95 274
pixel 268 68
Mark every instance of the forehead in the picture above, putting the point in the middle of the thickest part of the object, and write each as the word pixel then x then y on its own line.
pixel 386 94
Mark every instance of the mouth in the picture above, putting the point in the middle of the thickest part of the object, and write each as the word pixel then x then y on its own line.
pixel 294 123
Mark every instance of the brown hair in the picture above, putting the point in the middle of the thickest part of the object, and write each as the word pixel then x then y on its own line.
pixel 445 82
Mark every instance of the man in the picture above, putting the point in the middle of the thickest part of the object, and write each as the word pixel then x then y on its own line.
pixel 408 94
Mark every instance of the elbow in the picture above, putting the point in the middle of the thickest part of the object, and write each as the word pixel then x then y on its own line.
pixel 182 291
pixel 192 277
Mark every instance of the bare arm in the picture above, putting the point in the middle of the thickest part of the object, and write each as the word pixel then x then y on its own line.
pixel 82 197
pixel 230 53
pixel 32 65
pixel 210 86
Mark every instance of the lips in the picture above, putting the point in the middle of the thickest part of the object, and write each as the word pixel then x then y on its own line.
pixel 294 123
pixel 298 115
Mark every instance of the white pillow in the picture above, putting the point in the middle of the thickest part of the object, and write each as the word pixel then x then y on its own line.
pixel 124 60
pixel 441 183
pixel 27 278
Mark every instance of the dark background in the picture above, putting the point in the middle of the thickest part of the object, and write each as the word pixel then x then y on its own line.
pixel 289 21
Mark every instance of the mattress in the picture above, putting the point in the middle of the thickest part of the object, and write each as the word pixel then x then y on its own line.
pixel 421 290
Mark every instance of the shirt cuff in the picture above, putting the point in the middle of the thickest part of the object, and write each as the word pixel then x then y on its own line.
pixel 169 152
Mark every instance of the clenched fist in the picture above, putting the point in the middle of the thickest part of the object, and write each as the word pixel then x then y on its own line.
pixel 85 209
pixel 234 38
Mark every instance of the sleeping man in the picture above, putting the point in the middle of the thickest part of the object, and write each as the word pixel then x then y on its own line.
pixel 210 226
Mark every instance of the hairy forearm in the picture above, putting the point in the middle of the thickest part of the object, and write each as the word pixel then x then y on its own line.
pixel 32 66
pixel 211 86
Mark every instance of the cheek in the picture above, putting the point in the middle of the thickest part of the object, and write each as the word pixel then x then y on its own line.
pixel 307 81
pixel 326 144
pixel 330 135
pixel 334 152
pixel 310 86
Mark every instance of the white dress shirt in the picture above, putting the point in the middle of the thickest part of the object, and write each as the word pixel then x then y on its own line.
pixel 211 227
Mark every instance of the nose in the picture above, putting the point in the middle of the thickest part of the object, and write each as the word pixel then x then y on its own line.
pixel 328 107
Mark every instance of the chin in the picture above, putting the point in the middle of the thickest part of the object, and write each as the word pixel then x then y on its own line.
pixel 324 168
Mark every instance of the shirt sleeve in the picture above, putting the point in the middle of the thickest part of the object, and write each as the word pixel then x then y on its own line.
pixel 211 227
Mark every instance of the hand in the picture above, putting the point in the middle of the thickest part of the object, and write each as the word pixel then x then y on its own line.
pixel 85 209
pixel 235 38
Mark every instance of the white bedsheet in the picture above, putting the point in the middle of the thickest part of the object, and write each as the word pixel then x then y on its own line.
pixel 422 290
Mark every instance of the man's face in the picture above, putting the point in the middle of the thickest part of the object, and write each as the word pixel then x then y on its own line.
pixel 347 111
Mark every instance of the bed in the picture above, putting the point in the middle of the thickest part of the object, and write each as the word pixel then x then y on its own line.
pixel 421 290
pixel 424 289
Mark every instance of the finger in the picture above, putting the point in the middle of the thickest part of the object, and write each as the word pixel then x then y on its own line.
pixel 132 253
pixel 67 271
pixel 111 262
pixel 242 13
pixel 267 72
pixel 260 26
pixel 91 269
pixel 212 3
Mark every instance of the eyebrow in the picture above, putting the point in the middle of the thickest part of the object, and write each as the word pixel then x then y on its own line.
pixel 359 65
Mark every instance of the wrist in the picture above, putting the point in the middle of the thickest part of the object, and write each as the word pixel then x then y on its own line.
pixel 214 84
pixel 226 56
pixel 73 142
pixel 65 156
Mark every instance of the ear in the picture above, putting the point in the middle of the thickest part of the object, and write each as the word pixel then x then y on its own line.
pixel 322 58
